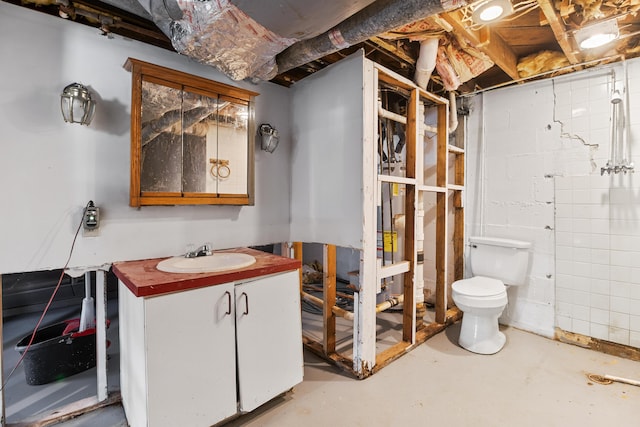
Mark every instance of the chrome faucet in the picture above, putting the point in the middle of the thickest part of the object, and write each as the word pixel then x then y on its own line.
pixel 204 250
pixel 624 167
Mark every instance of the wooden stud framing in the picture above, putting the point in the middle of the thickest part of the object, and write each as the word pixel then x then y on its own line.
pixel 297 254
pixel 441 215
pixel 458 230
pixel 409 306
pixel 366 360
pixel 329 294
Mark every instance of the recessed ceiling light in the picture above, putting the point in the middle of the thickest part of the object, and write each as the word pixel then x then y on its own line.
pixel 487 11
pixel 598 34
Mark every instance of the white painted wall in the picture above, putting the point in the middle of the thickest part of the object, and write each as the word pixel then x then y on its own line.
pixel 327 141
pixel 50 169
pixel 528 142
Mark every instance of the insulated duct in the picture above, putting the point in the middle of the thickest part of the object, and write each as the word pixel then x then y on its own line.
pixel 219 33
pixel 379 17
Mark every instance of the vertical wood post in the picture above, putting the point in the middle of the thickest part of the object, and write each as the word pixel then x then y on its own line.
pixel 297 254
pixel 441 215
pixel 409 306
pixel 458 232
pixel 329 297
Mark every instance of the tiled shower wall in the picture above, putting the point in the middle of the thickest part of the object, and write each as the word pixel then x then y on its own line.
pixel 598 257
pixel 534 155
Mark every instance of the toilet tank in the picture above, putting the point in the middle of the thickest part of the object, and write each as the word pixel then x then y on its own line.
pixel 503 259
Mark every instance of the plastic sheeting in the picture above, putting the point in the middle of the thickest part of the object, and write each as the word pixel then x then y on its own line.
pixel 217 33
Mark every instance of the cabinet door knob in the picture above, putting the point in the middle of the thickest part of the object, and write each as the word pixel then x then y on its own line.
pixel 228 294
pixel 246 302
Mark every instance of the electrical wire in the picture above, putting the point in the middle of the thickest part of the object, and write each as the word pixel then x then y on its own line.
pixel 46 309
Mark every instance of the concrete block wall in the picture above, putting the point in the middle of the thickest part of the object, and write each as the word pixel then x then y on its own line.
pixel 534 155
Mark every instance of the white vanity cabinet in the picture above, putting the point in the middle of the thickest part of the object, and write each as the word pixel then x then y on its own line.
pixel 179 350
pixel 268 338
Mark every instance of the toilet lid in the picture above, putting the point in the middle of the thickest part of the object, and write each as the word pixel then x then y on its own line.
pixel 479 286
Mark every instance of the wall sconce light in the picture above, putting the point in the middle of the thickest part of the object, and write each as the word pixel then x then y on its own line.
pixel 76 104
pixel 487 11
pixel 596 35
pixel 270 138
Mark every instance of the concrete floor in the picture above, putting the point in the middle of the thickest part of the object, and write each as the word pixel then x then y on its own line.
pixel 533 381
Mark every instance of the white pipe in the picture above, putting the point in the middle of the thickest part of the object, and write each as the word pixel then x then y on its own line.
pixel 622 380
pixel 386 114
pixel 453 112
pixel 627 134
pixel 426 61
pixel 87 315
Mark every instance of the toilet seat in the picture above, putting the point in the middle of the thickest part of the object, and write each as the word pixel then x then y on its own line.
pixel 479 292
pixel 479 287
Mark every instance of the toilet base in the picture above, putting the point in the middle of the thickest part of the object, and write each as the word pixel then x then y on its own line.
pixel 480 334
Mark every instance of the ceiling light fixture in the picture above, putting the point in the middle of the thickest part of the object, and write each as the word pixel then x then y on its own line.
pixel 598 34
pixel 76 104
pixel 487 11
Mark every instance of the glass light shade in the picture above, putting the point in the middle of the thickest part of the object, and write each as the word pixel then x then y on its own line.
pixel 270 138
pixel 491 10
pixel 597 35
pixel 76 104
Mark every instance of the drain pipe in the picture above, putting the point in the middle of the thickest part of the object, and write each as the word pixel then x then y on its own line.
pixel 379 17
pixel 425 65
pixel 453 112
pixel 426 61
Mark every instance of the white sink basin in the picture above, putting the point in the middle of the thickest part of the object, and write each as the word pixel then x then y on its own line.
pixel 219 261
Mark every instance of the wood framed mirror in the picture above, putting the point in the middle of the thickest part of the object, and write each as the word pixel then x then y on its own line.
pixel 192 139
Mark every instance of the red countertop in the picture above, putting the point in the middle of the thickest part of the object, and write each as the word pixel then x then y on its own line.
pixel 143 278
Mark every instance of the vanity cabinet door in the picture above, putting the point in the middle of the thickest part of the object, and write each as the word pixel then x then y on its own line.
pixel 190 348
pixel 268 337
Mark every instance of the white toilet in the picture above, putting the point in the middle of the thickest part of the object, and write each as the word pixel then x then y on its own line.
pixel 495 262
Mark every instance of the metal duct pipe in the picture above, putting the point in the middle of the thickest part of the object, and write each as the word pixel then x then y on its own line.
pixel 163 12
pixel 378 17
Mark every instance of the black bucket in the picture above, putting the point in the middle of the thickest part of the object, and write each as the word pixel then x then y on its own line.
pixel 58 351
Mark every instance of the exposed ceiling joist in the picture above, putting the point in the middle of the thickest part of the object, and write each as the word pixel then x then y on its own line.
pixel 559 30
pixel 487 41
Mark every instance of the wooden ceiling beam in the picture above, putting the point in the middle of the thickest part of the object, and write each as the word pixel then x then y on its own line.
pixel 392 48
pixel 488 42
pixel 560 31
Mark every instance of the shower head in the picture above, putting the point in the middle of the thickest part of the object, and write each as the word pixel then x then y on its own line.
pixel 616 98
